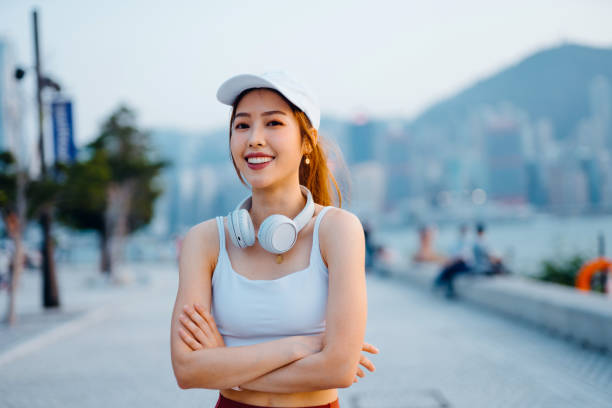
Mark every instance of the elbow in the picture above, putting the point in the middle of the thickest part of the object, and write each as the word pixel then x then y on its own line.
pixel 188 375
pixel 182 384
pixel 343 384
pixel 342 371
pixel 182 377
pixel 345 378
pixel 182 372
pixel 184 380
pixel 341 379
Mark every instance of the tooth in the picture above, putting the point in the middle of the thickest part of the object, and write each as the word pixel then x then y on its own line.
pixel 258 160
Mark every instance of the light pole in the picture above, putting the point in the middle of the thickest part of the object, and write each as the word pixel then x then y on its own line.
pixel 50 288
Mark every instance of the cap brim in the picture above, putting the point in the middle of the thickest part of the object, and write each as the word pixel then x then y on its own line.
pixel 230 89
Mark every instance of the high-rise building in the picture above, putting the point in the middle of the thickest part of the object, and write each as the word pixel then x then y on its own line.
pixel 600 104
pixel 536 191
pixel 593 178
pixel 568 186
pixel 506 165
pixel 396 162
pixel 368 189
pixel 361 140
pixel 10 106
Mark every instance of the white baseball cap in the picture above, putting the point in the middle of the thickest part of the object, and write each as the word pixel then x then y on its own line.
pixel 278 80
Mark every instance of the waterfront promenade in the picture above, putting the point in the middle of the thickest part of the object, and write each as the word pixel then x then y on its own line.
pixel 110 347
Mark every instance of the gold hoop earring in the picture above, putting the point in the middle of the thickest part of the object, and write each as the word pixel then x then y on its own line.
pixel 307 160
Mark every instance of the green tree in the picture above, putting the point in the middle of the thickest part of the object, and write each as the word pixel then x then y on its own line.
pixel 113 192
pixel 83 200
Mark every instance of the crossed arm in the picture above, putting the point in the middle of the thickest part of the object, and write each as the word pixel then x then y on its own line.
pixel 292 364
pixel 313 367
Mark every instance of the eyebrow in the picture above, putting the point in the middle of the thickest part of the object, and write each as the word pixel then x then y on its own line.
pixel 268 113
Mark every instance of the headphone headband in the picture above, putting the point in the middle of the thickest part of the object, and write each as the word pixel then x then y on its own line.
pixel 277 233
pixel 300 220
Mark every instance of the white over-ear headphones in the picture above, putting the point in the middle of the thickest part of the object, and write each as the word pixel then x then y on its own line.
pixel 277 233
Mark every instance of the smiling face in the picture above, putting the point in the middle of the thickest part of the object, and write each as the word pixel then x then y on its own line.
pixel 265 142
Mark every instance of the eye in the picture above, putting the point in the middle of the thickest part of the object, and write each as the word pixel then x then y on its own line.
pixel 274 123
pixel 241 126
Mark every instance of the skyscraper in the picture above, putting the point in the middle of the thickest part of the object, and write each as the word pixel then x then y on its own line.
pixel 11 110
pixel 506 164
pixel 361 141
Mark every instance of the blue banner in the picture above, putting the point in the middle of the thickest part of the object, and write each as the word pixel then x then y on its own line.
pixel 63 133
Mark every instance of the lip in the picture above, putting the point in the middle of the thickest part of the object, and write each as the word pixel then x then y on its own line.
pixel 258 166
pixel 258 154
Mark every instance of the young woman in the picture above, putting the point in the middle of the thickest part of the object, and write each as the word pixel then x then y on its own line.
pixel 277 321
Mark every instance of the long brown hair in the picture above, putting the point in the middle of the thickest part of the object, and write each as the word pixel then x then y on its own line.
pixel 316 175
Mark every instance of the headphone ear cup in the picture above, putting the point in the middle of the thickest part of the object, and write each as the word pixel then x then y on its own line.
pixel 277 234
pixel 245 225
pixel 232 230
pixel 241 228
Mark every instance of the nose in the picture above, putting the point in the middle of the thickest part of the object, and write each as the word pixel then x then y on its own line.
pixel 257 137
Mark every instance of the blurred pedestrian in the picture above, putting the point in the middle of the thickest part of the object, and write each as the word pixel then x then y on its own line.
pixel 486 261
pixel 461 261
pixel 370 247
pixel 426 253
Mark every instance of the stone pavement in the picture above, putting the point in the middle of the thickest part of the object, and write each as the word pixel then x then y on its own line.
pixel 434 353
pixel 81 288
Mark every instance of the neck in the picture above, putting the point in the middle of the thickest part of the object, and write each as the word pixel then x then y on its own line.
pixel 288 201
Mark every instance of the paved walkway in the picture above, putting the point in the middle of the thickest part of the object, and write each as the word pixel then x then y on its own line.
pixel 433 354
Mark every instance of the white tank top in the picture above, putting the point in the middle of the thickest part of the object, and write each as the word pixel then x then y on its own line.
pixel 249 311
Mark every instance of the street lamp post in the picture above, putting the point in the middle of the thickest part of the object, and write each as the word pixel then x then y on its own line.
pixel 50 287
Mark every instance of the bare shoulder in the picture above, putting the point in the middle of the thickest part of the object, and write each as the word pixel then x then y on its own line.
pixel 202 240
pixel 204 230
pixel 340 232
pixel 340 220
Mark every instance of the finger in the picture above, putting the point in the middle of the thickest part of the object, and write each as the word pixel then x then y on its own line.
pixel 360 372
pixel 370 348
pixel 196 317
pixel 202 324
pixel 367 363
pixel 195 331
pixel 355 379
pixel 189 340
pixel 207 316
pixel 199 320
pixel 211 321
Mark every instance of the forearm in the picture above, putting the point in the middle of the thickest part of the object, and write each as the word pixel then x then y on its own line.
pixel 312 373
pixel 226 367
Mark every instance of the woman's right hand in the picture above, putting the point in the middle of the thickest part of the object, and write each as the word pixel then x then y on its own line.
pixel 199 329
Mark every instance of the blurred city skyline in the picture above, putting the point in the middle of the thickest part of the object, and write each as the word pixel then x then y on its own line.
pixel 391 60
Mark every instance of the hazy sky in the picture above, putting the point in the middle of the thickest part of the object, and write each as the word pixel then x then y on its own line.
pixel 384 58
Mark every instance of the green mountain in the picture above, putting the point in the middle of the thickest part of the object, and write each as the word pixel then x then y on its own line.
pixel 552 83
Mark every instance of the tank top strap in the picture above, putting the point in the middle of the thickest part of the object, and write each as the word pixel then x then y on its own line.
pixel 316 249
pixel 221 230
pixel 222 251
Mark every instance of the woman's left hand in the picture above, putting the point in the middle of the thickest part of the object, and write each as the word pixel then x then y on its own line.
pixel 364 361
pixel 199 328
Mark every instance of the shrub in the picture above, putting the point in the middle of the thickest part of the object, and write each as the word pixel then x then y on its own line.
pixel 565 270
